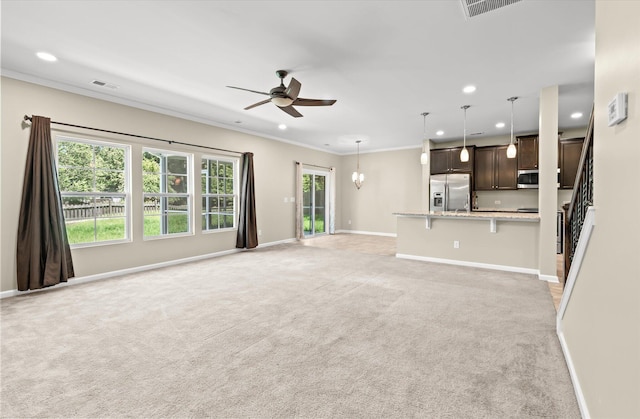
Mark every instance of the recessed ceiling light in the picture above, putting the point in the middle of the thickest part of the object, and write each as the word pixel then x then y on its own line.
pixel 576 115
pixel 469 89
pixel 282 126
pixel 500 125
pixel 440 132
pixel 45 56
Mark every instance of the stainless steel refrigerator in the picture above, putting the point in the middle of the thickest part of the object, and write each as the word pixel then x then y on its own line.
pixel 450 192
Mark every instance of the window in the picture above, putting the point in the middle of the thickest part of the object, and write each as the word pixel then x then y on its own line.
pixel 219 193
pixel 93 178
pixel 165 183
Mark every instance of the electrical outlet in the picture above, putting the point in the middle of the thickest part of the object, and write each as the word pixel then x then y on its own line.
pixel 497 202
pixel 286 199
pixel 349 222
pixel 292 199
pixel 456 244
pixel 259 232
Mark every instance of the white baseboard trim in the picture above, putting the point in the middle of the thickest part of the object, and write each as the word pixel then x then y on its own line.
pixel 578 256
pixel 574 270
pixel 582 403
pixel 261 245
pixel 120 272
pixel 470 264
pixel 10 293
pixel 369 233
pixel 549 278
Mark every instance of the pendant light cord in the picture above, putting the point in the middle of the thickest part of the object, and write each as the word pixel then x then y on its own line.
pixel 512 99
pixel 424 129
pixel 512 122
pixel 464 134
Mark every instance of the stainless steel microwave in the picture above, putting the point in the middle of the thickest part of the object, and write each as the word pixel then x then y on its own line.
pixel 527 179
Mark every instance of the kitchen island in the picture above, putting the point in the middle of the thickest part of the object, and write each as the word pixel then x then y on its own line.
pixel 484 239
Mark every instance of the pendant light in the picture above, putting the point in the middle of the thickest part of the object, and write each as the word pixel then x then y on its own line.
pixel 464 154
pixel 511 150
pixel 424 157
pixel 357 177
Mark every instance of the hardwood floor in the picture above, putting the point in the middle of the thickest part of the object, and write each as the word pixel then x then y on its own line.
pixel 386 246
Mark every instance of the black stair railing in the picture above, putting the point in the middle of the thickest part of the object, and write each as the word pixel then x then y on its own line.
pixel 581 199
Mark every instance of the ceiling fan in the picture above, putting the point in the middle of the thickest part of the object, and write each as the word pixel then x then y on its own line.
pixel 285 97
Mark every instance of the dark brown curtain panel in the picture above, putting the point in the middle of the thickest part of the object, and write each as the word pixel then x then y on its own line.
pixel 247 231
pixel 43 254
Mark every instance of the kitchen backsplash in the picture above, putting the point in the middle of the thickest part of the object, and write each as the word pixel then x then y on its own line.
pixel 521 198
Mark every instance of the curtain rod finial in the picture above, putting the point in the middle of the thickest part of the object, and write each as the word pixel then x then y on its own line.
pixel 27 118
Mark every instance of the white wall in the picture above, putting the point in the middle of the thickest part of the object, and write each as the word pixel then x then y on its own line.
pixel 514 245
pixel 548 179
pixel 274 164
pixel 602 323
pixel 393 181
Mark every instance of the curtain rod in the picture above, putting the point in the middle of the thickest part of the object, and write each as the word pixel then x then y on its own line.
pixel 28 118
pixel 313 165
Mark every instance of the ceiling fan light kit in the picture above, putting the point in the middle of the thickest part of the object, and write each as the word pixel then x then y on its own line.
pixel 285 97
pixel 282 101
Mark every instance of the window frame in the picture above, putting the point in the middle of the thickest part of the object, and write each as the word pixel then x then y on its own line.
pixel 166 195
pixel 126 194
pixel 205 209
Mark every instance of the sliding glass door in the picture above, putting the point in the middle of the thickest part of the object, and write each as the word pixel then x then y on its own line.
pixel 315 197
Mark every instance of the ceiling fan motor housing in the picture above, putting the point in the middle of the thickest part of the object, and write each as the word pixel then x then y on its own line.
pixel 278 91
pixel 284 97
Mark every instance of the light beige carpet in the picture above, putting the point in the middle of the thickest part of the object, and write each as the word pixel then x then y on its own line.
pixel 288 331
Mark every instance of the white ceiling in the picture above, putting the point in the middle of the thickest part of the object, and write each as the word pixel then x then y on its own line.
pixel 385 62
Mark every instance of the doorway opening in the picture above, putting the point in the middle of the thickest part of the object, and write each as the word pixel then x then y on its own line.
pixel 315 197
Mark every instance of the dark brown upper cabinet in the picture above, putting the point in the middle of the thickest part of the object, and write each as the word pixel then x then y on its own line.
pixel 447 160
pixel 528 152
pixel 493 170
pixel 569 152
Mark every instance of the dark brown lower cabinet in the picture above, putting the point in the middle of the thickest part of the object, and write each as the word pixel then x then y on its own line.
pixel 493 170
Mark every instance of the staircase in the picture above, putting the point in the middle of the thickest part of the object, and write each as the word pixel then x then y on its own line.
pixel 581 200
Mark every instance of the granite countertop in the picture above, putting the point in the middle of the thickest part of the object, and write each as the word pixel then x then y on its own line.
pixel 501 215
pixel 495 210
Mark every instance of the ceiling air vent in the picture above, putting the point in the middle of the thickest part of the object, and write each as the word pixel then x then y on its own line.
pixel 103 84
pixel 477 7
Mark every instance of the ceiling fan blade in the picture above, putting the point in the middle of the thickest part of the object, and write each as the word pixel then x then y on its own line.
pixel 291 111
pixel 313 102
pixel 257 104
pixel 294 89
pixel 249 90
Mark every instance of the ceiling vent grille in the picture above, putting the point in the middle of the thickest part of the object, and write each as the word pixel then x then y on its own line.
pixel 474 8
pixel 104 84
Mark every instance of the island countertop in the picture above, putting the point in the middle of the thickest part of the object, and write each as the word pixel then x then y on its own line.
pixel 503 216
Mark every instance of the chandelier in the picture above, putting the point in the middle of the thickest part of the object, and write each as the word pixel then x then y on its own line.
pixel 358 177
